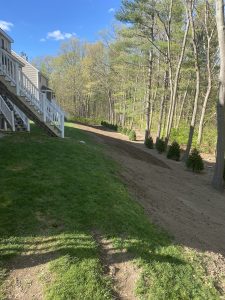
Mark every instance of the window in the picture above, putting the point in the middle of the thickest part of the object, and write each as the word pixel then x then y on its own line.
pixel 2 44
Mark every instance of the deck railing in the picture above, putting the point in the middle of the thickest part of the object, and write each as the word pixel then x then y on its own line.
pixel 7 112
pixel 49 113
pixel 22 116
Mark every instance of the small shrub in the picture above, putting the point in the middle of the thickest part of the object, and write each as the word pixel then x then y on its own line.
pixel 160 145
pixel 83 120
pixel 195 161
pixel 124 130
pixel 114 127
pixel 174 151
pixel 128 132
pixel 149 143
pixel 120 129
pixel 132 135
pixel 110 126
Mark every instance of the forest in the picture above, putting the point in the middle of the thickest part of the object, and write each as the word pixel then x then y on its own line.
pixel 157 70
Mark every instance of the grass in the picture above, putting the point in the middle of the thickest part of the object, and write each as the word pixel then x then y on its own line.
pixel 54 192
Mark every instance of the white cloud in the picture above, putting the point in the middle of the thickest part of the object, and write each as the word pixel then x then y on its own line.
pixel 111 10
pixel 57 35
pixel 6 25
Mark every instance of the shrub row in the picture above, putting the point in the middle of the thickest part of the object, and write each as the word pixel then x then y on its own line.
pixel 129 132
pixel 110 126
pixel 160 144
pixel 83 120
pixel 194 161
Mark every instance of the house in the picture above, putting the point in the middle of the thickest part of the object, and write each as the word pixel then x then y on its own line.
pixel 35 75
pixel 10 116
pixel 24 94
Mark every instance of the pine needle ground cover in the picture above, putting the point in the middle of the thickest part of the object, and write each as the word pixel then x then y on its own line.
pixel 54 193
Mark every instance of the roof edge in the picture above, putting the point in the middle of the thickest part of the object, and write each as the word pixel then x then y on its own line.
pixel 24 60
pixel 6 36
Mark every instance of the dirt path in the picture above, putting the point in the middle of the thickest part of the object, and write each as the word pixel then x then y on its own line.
pixel 181 202
pixel 123 272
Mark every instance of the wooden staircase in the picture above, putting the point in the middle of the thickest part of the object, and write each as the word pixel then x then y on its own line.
pixel 17 87
pixel 14 117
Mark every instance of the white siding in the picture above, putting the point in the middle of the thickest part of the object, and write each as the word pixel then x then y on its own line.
pixel 29 70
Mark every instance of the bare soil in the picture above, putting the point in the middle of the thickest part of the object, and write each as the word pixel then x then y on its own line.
pixel 28 272
pixel 123 272
pixel 23 282
pixel 181 202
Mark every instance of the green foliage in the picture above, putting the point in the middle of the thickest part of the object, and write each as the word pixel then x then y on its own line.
pixel 124 131
pixel 110 126
pixel 132 135
pixel 195 161
pixel 128 132
pixel 180 135
pixel 149 143
pixel 209 139
pixel 160 145
pixel 86 121
pixel 174 151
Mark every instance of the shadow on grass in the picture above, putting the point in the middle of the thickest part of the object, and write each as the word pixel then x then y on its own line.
pixel 47 211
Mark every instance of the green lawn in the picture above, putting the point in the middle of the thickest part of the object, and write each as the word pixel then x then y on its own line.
pixel 54 192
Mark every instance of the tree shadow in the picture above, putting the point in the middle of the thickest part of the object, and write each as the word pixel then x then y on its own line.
pixel 73 198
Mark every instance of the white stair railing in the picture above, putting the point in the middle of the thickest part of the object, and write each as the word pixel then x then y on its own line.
pixel 49 113
pixel 22 116
pixel 7 113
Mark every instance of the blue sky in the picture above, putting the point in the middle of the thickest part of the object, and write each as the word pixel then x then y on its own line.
pixel 38 27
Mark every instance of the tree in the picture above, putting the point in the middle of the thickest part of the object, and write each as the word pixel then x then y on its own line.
pixel 219 168
pixel 190 13
pixel 209 28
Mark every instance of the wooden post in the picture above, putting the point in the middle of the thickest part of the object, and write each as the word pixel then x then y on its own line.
pixel 44 107
pixel 62 125
pixel 17 80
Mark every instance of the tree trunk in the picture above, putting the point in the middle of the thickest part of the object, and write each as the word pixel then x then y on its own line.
pixel 162 105
pixel 150 68
pixel 168 34
pixel 209 75
pixel 197 72
pixel 148 104
pixel 110 106
pixel 176 80
pixel 181 109
pixel 218 181
pixel 152 110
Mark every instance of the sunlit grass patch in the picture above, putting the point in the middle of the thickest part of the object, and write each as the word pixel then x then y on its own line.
pixel 49 208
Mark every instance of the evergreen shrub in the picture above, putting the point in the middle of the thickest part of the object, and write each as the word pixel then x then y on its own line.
pixel 174 151
pixel 195 161
pixel 132 135
pixel 149 143
pixel 160 145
